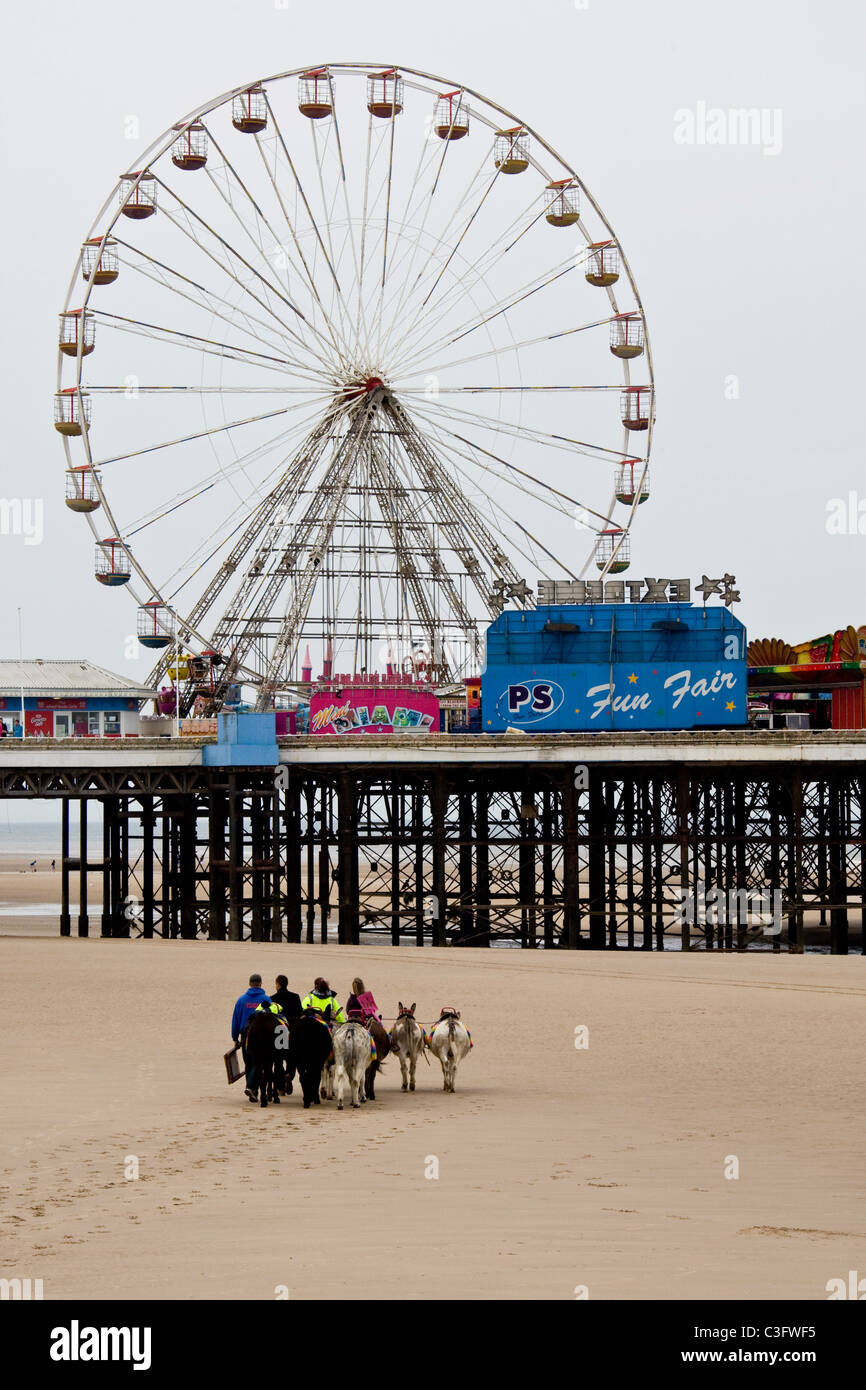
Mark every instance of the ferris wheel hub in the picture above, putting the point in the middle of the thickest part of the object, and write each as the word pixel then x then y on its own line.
pixel 360 386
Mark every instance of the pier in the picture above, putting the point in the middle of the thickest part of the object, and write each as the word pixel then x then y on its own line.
pixel 568 841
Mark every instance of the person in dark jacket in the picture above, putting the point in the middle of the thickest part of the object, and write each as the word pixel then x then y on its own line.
pixel 243 1012
pixel 288 1002
pixel 292 1008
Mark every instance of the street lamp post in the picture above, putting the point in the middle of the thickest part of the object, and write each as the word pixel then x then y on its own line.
pixel 21 669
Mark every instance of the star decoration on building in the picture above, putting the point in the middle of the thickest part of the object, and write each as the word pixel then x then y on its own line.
pixel 724 587
pixel 521 591
pixel 632 680
pixel 707 587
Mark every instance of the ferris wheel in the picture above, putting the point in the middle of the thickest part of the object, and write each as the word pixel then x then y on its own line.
pixel 347 364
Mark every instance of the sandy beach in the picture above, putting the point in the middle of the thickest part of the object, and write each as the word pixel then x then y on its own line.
pixel 558 1167
pixel 30 898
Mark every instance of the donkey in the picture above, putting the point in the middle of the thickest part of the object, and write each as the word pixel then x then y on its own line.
pixel 407 1042
pixel 449 1040
pixel 267 1043
pixel 382 1046
pixel 310 1050
pixel 353 1053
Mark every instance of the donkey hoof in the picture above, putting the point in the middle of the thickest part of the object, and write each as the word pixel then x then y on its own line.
pixel 412 1086
pixel 339 1105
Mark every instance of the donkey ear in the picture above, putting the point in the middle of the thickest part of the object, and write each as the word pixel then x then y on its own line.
pixel 400 1005
pixel 412 1009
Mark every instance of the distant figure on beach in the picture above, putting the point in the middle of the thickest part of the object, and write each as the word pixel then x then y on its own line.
pixel 243 1011
pixel 53 863
pixel 33 865
pixel 321 998
pixel 361 1002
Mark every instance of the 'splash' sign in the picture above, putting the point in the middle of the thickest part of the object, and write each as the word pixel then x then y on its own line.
pixel 405 710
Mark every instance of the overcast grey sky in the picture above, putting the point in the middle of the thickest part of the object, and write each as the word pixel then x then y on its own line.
pixel 747 258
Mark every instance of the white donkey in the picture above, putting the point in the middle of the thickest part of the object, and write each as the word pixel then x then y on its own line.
pixel 449 1040
pixel 353 1053
pixel 407 1041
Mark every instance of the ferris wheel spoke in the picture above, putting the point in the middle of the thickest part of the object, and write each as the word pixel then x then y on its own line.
pixel 475 181
pixel 507 520
pixel 350 222
pixel 314 225
pixel 481 266
pixel 301 193
pixel 187 438
pixel 407 285
pixel 233 251
pixel 177 340
pixel 508 390
pixel 421 169
pixel 267 507
pixel 225 474
pixel 377 328
pixel 142 390
pixel 195 341
pixel 254 204
pixel 535 482
pixel 211 298
pixel 509 300
pixel 337 296
pixel 524 432
pixel 495 310
pixel 459 242
pixel 285 332
pixel 505 240
pixel 363 232
pixel 498 351
pixel 333 331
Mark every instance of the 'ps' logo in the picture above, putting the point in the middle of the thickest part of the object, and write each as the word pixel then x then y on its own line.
pixel 529 703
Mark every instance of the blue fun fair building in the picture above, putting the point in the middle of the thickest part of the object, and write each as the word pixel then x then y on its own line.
pixel 614 666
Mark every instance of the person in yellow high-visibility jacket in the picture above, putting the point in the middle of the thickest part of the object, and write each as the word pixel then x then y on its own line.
pixel 321 998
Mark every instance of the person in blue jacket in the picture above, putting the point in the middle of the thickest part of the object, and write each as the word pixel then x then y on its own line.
pixel 243 1012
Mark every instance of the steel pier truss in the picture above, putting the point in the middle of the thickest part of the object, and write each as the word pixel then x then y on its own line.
pixel 629 856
